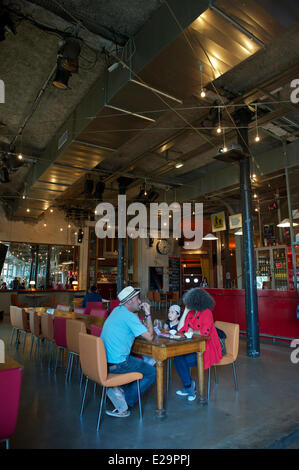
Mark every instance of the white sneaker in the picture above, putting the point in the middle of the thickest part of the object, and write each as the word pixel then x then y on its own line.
pixel 117 396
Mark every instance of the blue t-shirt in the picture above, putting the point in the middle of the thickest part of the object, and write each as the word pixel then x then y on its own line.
pixel 91 297
pixel 119 331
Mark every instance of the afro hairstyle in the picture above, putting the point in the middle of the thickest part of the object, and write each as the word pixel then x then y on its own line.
pixel 198 300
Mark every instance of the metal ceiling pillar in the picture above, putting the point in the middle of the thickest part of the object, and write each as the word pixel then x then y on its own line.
pixel 123 182
pixel 294 263
pixel 47 277
pixel 243 117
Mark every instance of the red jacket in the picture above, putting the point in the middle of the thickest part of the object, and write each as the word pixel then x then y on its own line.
pixel 204 322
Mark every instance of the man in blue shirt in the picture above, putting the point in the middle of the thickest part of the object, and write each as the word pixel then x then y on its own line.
pixel 92 296
pixel 119 332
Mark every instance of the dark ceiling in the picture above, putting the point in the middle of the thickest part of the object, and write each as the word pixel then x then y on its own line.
pixel 248 54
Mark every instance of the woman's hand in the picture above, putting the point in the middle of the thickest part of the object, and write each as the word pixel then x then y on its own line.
pixel 183 318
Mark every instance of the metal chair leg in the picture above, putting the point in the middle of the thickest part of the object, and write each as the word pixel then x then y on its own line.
pixel 103 398
pixel 24 341
pixel 216 379
pixel 57 357
pixel 83 398
pixel 7 444
pixel 68 367
pixel 139 400
pixel 12 334
pixel 209 383
pixel 235 376
pixel 32 340
pixel 71 365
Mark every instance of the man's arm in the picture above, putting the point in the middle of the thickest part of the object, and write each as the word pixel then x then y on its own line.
pixel 149 334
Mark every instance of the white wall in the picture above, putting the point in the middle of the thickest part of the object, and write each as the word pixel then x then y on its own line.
pixel 32 232
pixel 148 256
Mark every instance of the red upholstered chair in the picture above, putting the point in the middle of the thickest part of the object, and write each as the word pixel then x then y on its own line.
pixel 10 388
pixel 95 330
pixel 113 304
pixel 99 312
pixel 91 305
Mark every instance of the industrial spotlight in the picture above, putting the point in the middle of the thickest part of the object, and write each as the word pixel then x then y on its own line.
pixel 6 23
pixel 69 54
pixel 61 78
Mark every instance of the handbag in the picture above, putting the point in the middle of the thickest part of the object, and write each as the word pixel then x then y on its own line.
pixel 222 338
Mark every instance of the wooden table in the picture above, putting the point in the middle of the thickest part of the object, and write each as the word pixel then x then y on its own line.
pixel 9 364
pixel 162 349
pixel 87 319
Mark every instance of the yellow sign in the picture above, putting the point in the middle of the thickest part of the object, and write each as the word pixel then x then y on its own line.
pixel 218 222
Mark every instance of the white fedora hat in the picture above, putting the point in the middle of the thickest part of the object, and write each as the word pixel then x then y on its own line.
pixel 127 294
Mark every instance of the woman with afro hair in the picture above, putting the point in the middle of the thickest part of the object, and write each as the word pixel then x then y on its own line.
pixel 198 319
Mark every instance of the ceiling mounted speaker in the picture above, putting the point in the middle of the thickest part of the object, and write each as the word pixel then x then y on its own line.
pixel 100 188
pixel 4 175
pixel 88 186
pixel 61 78
pixel 69 53
pixel 152 196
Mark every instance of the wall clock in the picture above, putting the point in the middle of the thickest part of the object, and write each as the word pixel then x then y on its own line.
pixel 163 247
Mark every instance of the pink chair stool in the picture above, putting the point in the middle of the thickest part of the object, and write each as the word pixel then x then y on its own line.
pixel 59 337
pixel 10 389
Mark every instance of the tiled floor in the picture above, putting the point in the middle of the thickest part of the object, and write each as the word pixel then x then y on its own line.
pixel 264 413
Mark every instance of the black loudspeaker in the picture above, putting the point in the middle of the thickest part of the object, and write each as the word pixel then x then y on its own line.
pixel 181 241
pixel 150 242
pixel 88 186
pixel 3 251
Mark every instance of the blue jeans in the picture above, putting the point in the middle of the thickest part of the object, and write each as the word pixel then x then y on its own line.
pixel 134 364
pixel 182 365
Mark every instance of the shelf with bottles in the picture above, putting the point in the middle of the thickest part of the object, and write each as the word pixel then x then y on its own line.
pixel 107 274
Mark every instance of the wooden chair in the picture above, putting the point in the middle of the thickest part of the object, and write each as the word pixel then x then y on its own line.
pixel 47 331
pixel 232 331
pixel 15 302
pixel 150 296
pixel 160 300
pixel 19 323
pixel 94 366
pixel 35 332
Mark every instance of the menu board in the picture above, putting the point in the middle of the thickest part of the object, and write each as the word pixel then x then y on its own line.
pixel 174 272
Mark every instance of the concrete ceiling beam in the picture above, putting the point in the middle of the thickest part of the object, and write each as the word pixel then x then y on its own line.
pixel 152 38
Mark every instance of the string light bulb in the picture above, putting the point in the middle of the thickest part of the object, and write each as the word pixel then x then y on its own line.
pixel 257 137
pixel 202 93
pixel 219 130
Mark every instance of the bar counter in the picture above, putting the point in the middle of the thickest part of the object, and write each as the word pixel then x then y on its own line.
pixel 26 296
pixel 277 310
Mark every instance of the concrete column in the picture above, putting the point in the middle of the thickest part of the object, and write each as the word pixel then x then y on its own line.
pixel 219 265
